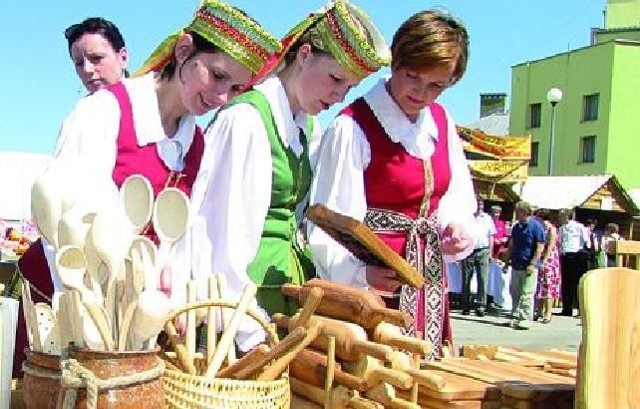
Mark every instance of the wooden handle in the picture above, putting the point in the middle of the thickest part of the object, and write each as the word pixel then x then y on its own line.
pixel 184 358
pixel 379 351
pixel 212 328
pixel 399 379
pixel 281 348
pixel 357 402
pixel 100 320
pixel 385 394
pixel 311 367
pixel 222 290
pixel 392 335
pixel 427 378
pixel 229 334
pixel 310 305
pixel 190 334
pixel 338 399
pixel 126 323
pixel 280 365
pixel 256 353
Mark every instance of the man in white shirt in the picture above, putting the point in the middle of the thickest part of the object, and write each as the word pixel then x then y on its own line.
pixel 574 240
pixel 482 229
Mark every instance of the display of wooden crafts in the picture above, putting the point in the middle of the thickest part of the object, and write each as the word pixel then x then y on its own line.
pixel 356 237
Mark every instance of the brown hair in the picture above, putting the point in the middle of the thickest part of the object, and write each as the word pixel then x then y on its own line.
pixel 431 38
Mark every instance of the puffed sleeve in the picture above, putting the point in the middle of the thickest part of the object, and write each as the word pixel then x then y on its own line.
pixel 231 196
pixel 338 183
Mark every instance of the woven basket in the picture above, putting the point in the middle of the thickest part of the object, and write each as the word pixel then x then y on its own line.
pixel 185 391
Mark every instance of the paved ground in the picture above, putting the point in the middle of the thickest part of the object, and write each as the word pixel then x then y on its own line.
pixel 562 333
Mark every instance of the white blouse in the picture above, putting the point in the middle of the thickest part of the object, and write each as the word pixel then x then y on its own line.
pixel 338 182
pixel 232 192
pixel 90 133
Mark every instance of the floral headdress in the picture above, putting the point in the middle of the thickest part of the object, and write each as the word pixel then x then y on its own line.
pixel 227 28
pixel 342 35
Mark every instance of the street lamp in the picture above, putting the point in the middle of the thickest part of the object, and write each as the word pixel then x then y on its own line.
pixel 553 96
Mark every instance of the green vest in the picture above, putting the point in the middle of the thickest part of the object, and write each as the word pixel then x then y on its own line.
pixel 280 259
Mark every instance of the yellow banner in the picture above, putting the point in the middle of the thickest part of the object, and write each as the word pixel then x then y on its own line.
pixel 498 147
pixel 498 171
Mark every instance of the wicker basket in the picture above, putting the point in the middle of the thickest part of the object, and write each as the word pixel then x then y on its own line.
pixel 185 391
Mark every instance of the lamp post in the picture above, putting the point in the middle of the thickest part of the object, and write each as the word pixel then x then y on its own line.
pixel 554 95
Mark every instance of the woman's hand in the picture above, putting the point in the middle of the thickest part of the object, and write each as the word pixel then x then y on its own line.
pixel 455 239
pixel 382 278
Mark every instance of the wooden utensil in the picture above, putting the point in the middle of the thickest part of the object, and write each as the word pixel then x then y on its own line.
pixel 228 336
pixel 389 334
pixel 351 339
pixel 349 304
pixel 340 397
pixel 374 373
pixel 47 329
pixel 225 315
pixel 402 362
pixel 385 394
pixel 276 369
pixel 280 349
pixel 136 195
pixel 310 366
pixel 256 353
pixel 71 266
pixel 30 318
pixel 212 327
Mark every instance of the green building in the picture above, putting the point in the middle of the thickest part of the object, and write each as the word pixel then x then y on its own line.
pixel 597 120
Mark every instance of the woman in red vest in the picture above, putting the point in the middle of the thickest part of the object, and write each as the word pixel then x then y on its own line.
pixel 146 125
pixel 393 159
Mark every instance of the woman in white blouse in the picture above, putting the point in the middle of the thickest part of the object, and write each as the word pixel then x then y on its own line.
pixel 393 159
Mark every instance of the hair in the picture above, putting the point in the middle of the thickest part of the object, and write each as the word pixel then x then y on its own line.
pixel 96 25
pixel 569 213
pixel 524 206
pixel 589 222
pixel 612 227
pixel 312 37
pixel 431 38
pixel 544 214
pixel 495 208
pixel 200 44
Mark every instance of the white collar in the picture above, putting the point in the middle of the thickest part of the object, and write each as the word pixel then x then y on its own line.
pixel 287 125
pixel 417 138
pixel 146 115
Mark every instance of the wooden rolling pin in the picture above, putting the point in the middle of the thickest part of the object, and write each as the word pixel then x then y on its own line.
pixel 374 373
pixel 390 334
pixel 255 354
pixel 385 394
pixel 349 304
pixel 299 402
pixel 402 362
pixel 340 396
pixel 311 367
pixel 351 339
pixel 280 349
pixel 276 369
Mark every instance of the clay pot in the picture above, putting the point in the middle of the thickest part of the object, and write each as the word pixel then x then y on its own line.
pixel 106 365
pixel 41 392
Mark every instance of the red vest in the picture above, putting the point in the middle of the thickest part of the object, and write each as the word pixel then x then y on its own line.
pixel 394 179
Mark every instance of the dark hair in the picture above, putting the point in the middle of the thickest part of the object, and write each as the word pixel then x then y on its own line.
pixel 431 38
pixel 200 44
pixel 612 227
pixel 95 25
pixel 544 214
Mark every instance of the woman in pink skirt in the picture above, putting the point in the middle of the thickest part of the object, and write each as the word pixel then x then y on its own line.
pixel 549 275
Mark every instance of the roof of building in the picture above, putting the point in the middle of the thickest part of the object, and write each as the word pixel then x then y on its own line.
pixel 494 124
pixel 18 171
pixel 566 192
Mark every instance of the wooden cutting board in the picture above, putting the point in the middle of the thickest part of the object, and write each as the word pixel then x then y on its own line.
pixel 609 359
pixel 431 403
pixel 460 388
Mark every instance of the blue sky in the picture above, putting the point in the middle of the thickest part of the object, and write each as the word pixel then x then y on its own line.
pixel 39 86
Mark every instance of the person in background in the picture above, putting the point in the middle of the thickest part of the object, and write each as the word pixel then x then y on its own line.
pixel 574 239
pixel 525 252
pixel 595 242
pixel 256 175
pixel 98 52
pixel 498 287
pixel 147 125
pixel 394 160
pixel 549 275
pixel 610 235
pixel 482 230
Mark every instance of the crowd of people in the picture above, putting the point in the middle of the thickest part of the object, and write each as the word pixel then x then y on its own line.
pixel 538 260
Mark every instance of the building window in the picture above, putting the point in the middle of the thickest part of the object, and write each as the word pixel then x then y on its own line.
pixel 533 162
pixel 535 112
pixel 590 108
pixel 588 149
